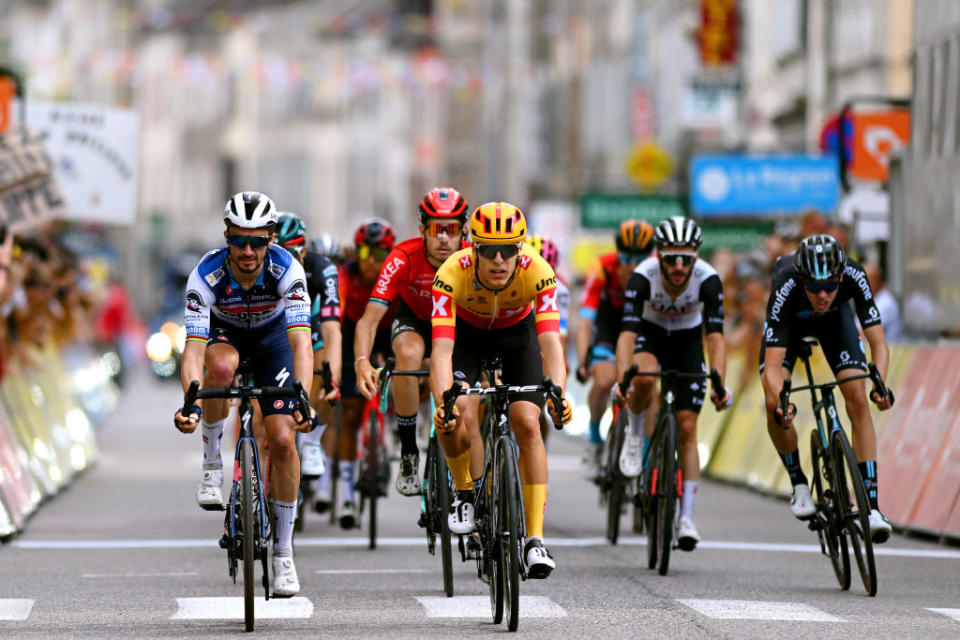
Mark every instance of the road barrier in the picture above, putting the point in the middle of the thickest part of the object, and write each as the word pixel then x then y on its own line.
pixel 46 436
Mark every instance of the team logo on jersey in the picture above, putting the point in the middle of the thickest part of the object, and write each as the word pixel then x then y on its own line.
pixel 278 404
pixel 297 292
pixel 441 307
pixel 546 282
pixel 547 302
pixel 215 277
pixel 525 262
pixel 277 270
pixel 194 301
pixel 465 262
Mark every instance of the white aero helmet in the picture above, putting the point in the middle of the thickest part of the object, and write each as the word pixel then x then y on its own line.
pixel 250 210
pixel 678 231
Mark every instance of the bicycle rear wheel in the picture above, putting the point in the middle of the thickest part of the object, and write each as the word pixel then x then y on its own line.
pixel 667 490
pixel 440 489
pixel 508 533
pixel 855 507
pixel 612 480
pixel 830 531
pixel 249 529
pixel 493 556
pixel 372 485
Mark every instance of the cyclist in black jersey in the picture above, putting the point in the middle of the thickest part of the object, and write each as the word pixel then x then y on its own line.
pixel 811 295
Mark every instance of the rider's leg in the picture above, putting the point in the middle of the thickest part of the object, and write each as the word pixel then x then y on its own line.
pixel 457 444
pixel 644 391
pixel 525 420
pixel 864 435
pixel 221 362
pixel 408 348
pixel 285 478
pixel 690 459
pixel 350 426
pixel 604 373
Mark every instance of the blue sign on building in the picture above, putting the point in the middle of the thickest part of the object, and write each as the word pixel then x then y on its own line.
pixel 735 185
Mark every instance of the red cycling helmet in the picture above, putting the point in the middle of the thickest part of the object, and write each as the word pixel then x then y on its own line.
pixel 443 202
pixel 375 233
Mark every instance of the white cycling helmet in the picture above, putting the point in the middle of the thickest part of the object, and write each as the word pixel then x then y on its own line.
pixel 250 210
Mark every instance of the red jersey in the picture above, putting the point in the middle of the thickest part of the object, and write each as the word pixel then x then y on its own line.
pixel 407 274
pixel 354 295
pixel 602 283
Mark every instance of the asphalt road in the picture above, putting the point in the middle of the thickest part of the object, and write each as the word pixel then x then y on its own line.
pixel 126 552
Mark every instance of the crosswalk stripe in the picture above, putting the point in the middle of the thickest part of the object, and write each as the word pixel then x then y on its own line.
pixel 232 608
pixel 479 607
pixel 759 610
pixel 15 608
pixel 950 613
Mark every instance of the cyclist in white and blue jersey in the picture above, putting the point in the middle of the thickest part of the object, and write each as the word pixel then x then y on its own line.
pixel 249 300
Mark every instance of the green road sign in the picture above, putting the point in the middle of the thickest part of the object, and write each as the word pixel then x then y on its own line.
pixel 735 236
pixel 607 211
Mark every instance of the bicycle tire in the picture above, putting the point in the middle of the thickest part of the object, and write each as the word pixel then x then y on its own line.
pixel 249 532
pixel 856 512
pixel 372 486
pixel 830 531
pixel 508 533
pixel 650 505
pixel 490 547
pixel 667 501
pixel 441 504
pixel 614 481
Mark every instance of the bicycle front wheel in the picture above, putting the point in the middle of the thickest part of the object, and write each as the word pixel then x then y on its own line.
pixel 612 479
pixel 830 530
pixel 855 506
pixel 250 529
pixel 667 490
pixel 441 504
pixel 372 486
pixel 508 533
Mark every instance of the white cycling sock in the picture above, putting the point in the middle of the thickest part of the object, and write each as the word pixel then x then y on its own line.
pixel 323 482
pixel 285 513
pixel 636 422
pixel 688 498
pixel 211 434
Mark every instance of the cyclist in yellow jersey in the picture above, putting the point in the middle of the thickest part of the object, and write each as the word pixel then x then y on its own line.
pixel 498 297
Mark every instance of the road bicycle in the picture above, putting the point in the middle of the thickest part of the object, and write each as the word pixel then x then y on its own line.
pixel 843 508
pixel 616 489
pixel 498 509
pixel 247 533
pixel 661 482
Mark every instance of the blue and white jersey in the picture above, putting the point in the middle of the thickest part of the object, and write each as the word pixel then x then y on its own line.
pixel 278 298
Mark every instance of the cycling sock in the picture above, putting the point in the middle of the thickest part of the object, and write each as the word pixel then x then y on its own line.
pixel 311 438
pixel 646 447
pixel 460 471
pixel 636 422
pixel 407 426
pixel 792 463
pixel 346 480
pixel 534 506
pixel 211 443
pixel 868 471
pixel 285 513
pixel 323 482
pixel 688 498
pixel 595 432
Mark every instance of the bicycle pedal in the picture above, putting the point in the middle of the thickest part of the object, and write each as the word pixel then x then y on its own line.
pixel 224 541
pixel 213 507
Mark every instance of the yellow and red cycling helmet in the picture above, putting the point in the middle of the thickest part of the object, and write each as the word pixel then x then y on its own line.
pixel 497 223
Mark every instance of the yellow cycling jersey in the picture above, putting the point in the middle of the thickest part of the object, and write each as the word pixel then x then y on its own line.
pixel 457 292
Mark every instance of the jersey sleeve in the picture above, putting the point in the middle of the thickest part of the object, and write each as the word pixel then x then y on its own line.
pixel 776 330
pixel 196 313
pixel 862 296
pixel 546 304
pixel 635 295
pixel 292 286
pixel 711 294
pixel 593 290
pixel 394 272
pixel 443 315
pixel 327 302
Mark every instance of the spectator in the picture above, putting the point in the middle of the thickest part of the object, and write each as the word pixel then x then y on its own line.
pixel 886 303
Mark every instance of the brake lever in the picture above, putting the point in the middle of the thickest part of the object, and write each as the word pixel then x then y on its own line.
pixel 784 403
pixel 189 399
pixel 628 375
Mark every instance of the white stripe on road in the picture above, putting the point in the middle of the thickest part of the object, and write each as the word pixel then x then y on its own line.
pixel 479 607
pixel 175 574
pixel 15 608
pixel 950 613
pixel 365 571
pixel 758 610
pixel 418 541
pixel 232 608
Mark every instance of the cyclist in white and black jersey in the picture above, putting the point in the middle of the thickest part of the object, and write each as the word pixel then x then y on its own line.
pixel 811 295
pixel 671 299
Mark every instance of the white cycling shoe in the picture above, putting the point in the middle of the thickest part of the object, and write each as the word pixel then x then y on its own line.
pixel 538 559
pixel 285 581
pixel 687 535
pixel 311 461
pixel 209 493
pixel 408 479
pixel 631 456
pixel 801 503
pixel 880 527
pixel 461 517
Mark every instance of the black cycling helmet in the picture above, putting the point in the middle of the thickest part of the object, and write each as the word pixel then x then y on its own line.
pixel 819 257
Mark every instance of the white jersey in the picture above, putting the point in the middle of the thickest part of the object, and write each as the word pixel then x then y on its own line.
pixel 687 311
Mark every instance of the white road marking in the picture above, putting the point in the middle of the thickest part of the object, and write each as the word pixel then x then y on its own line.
pixel 365 571
pixel 418 541
pixel 950 613
pixel 174 574
pixel 479 607
pixel 759 610
pixel 232 608
pixel 15 608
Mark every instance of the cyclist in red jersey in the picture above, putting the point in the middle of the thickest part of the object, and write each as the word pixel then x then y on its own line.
pixel 408 274
pixel 374 240
pixel 601 312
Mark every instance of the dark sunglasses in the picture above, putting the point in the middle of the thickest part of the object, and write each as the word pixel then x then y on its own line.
pixel 364 251
pixel 629 258
pixel 817 287
pixel 255 242
pixel 676 259
pixel 490 251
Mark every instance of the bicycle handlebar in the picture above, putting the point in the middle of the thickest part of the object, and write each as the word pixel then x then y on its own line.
pixel 716 382
pixel 553 391
pixel 325 373
pixel 296 392
pixel 873 374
